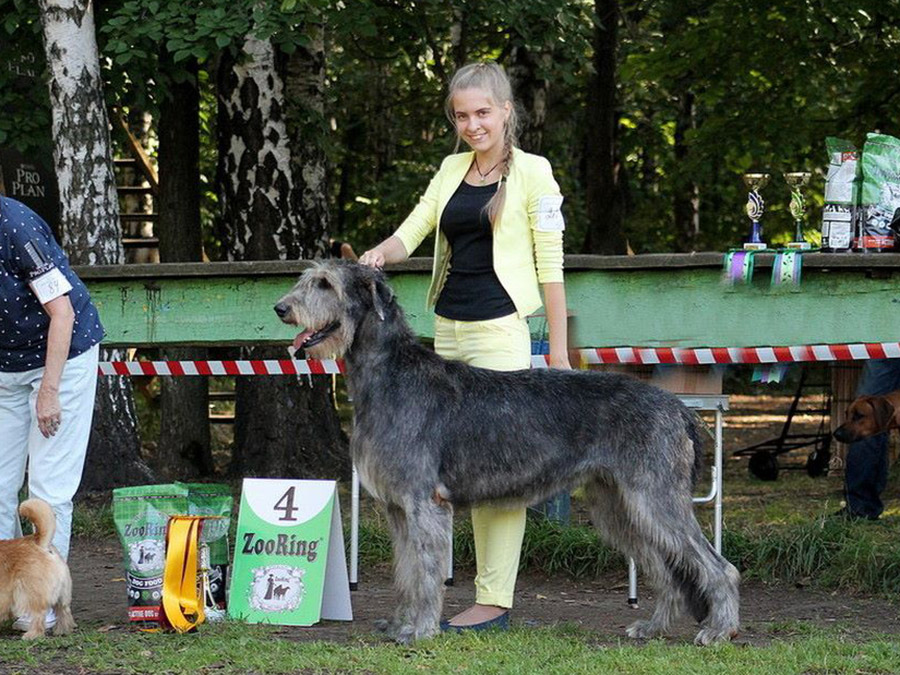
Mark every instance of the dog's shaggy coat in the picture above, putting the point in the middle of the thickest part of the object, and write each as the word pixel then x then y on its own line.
pixel 33 576
pixel 430 432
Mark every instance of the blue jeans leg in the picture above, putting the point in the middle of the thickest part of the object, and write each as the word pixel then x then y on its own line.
pixel 866 468
pixel 865 475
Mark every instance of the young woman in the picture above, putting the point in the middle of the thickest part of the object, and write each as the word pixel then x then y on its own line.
pixel 499 243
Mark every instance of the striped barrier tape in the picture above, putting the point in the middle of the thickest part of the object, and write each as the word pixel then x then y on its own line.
pixel 602 355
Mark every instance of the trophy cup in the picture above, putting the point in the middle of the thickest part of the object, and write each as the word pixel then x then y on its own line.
pixel 797 180
pixel 755 208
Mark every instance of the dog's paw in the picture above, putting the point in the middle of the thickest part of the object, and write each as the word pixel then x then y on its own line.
pixel 32 635
pixel 641 630
pixel 708 636
pixel 405 635
pixel 388 627
pixel 64 629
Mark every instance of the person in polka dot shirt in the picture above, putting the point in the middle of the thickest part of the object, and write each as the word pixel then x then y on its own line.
pixel 49 345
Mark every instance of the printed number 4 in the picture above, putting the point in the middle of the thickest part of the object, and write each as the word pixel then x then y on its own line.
pixel 286 504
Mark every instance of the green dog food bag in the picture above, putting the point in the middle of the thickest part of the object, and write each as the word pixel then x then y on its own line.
pixel 208 499
pixel 880 199
pixel 141 514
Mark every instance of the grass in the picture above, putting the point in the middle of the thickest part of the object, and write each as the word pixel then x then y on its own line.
pixel 235 648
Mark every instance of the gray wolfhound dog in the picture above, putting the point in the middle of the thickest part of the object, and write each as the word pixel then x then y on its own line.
pixel 431 434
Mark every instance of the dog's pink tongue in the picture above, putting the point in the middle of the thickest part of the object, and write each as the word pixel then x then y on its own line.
pixel 301 338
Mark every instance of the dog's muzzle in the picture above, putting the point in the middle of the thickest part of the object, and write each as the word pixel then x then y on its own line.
pixel 842 435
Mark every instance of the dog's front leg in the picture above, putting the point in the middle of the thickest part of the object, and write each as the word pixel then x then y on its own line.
pixel 421 548
pixel 399 534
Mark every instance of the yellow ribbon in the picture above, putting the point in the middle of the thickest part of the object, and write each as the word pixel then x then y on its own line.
pixel 182 598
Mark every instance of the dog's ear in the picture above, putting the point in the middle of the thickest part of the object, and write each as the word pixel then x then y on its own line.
pixel 382 294
pixel 883 411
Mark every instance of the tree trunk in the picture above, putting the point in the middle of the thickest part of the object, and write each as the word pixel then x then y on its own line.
pixel 603 192
pixel 284 426
pixel 304 93
pixel 89 216
pixel 184 438
pixel 686 198
pixel 530 93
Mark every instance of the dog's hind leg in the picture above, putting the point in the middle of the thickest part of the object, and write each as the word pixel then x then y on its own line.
pixel 713 578
pixel 38 615
pixel 65 622
pixel 618 519
pixel 657 527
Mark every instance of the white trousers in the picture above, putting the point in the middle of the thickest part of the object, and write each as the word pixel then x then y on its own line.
pixel 55 463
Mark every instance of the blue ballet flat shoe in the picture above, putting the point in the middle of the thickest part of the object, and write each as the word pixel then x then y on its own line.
pixel 499 622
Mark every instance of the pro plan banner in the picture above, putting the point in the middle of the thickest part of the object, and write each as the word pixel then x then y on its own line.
pixel 289 564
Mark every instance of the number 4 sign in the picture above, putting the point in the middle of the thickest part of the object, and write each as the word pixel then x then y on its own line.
pixel 289 565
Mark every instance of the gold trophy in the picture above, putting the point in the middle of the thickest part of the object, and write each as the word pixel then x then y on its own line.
pixel 797 180
pixel 755 208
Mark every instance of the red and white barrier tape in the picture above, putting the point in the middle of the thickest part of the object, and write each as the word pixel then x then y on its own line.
pixel 268 367
pixel 603 355
pixel 734 355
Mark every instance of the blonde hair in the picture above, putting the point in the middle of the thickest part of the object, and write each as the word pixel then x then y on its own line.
pixel 491 78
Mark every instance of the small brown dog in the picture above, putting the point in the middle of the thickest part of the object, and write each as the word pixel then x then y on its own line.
pixel 870 415
pixel 33 576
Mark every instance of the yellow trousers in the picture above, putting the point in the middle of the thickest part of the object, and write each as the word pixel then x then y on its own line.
pixel 496 344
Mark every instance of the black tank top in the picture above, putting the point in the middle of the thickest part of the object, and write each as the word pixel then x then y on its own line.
pixel 472 291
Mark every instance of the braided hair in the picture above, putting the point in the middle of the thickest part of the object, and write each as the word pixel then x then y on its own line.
pixel 492 79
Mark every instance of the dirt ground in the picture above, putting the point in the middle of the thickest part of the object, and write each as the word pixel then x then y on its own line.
pixel 598 605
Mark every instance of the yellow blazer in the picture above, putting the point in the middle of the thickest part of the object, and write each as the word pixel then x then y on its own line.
pixel 528 237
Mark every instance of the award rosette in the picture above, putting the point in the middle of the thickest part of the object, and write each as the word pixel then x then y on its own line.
pixel 289 566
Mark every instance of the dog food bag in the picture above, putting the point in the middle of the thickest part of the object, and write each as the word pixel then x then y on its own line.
pixel 880 198
pixel 208 499
pixel 841 195
pixel 141 514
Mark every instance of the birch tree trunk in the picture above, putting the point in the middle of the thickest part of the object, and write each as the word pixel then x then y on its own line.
pixel 89 216
pixel 284 426
pixel 307 127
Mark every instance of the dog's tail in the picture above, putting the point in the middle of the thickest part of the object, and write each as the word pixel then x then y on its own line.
pixel 695 435
pixel 42 519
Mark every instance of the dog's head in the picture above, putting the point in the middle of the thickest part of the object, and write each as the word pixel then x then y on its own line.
pixel 330 301
pixel 866 417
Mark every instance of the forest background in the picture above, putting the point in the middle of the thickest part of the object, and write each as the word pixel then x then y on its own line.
pixel 276 126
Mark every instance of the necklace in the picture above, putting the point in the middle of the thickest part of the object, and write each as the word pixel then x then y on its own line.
pixel 483 176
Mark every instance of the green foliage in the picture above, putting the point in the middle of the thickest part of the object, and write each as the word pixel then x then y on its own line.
pixel 24 100
pixel 767 87
pixel 707 90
